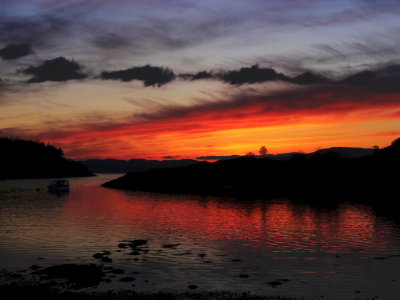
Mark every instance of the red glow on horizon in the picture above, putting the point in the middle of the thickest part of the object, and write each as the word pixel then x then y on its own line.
pixel 216 131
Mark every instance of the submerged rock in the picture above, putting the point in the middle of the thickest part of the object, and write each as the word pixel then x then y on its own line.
pixel 122 245
pixel 133 245
pixel 274 283
pixel 170 246
pixel 127 279
pixel 117 271
pixel 98 255
pixel 106 259
pixel 103 256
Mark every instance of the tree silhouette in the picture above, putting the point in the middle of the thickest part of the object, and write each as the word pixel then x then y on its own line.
pixel 263 151
pixel 375 148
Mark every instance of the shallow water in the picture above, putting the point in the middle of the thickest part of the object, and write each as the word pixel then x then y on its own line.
pixel 345 251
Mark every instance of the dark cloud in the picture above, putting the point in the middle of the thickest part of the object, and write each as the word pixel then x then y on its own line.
pixel 58 69
pixel 361 78
pixel 308 78
pixel 385 80
pixel 14 51
pixel 151 76
pixel 197 76
pixel 254 74
pixel 245 109
pixel 111 40
pixel 314 99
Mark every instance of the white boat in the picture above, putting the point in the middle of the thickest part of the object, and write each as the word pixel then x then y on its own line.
pixel 59 185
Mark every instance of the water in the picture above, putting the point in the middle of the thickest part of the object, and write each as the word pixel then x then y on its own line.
pixel 345 251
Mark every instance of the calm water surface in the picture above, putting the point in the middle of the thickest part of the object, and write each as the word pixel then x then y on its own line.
pixel 322 252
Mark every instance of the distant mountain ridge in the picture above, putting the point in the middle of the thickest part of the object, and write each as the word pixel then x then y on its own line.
pixel 133 165
pixel 140 165
pixel 321 173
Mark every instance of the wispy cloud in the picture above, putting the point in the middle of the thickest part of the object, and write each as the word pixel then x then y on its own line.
pixel 326 103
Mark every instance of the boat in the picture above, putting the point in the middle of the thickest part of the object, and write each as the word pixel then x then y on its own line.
pixel 59 185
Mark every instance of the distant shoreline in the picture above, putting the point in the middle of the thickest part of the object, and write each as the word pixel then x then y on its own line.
pixel 323 174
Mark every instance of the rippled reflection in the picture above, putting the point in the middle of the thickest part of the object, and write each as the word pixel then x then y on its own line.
pixel 219 238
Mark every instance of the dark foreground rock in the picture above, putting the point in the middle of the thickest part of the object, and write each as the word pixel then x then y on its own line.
pixel 46 292
pixel 77 276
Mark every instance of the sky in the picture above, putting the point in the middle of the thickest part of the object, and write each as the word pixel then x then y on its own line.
pixel 182 79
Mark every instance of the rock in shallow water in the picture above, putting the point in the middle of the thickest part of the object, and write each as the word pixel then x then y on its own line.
pixel 127 279
pixel 274 283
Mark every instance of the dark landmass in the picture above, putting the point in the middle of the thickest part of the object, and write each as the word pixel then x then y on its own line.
pixel 47 292
pixel 322 173
pixel 70 281
pixel 77 276
pixel 141 165
pixel 30 159
pixel 90 281
pixel 133 165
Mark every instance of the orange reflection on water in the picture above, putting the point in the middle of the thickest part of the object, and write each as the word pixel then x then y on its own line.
pixel 279 224
pixel 357 225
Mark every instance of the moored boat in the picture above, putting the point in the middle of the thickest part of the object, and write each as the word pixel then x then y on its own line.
pixel 59 185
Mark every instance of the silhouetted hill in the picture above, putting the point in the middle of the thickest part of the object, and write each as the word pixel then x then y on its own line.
pixel 29 159
pixel 343 152
pixel 323 172
pixel 140 165
pixel 347 152
pixel 133 165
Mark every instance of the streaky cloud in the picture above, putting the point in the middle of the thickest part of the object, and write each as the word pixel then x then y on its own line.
pixel 57 69
pixel 348 94
pixel 243 109
pixel 151 76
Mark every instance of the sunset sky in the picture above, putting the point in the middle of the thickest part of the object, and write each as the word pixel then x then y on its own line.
pixel 187 78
